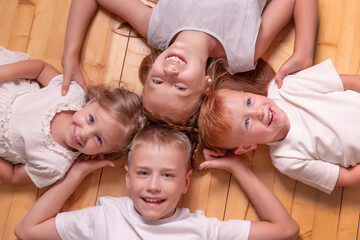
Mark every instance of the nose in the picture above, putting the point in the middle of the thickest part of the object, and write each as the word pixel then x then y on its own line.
pixel 154 184
pixel 258 113
pixel 85 133
pixel 170 69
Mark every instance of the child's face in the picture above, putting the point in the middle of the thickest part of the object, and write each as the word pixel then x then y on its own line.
pixel 92 130
pixel 156 177
pixel 255 119
pixel 175 81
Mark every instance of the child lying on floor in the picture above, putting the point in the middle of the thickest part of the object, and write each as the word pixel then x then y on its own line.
pixel 158 173
pixel 311 125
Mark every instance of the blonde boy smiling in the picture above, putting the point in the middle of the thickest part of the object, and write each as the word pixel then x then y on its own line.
pixel 158 172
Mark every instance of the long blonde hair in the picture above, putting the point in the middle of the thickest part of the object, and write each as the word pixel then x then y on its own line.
pixel 124 106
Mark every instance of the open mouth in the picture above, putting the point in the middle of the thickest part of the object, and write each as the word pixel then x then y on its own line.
pixel 73 137
pixel 153 200
pixel 176 59
pixel 270 117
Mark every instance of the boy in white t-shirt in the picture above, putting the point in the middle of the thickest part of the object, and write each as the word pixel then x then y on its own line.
pixel 158 173
pixel 311 125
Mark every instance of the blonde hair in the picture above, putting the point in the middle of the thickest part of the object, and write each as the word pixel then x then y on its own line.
pixel 124 106
pixel 161 135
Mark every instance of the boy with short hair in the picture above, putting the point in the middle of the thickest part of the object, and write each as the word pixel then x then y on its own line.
pixel 311 125
pixel 158 172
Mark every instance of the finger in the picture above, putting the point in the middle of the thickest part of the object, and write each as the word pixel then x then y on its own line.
pixel 278 81
pixel 65 86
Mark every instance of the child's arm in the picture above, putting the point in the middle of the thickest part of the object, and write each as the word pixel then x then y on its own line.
pixel 133 11
pixel 349 177
pixel 351 82
pixel 275 222
pixel 13 174
pixel 39 222
pixel 32 69
pixel 275 17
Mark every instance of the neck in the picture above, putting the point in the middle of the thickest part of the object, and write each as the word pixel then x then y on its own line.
pixel 206 45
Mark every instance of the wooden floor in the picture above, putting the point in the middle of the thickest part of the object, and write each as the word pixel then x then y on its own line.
pixel 112 54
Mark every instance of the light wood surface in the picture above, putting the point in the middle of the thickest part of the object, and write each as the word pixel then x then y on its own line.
pixel 111 54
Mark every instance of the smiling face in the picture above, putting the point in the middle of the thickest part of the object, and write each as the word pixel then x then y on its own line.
pixel 175 81
pixel 255 119
pixel 92 130
pixel 156 177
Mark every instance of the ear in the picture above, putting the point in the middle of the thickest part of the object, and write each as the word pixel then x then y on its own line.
pixel 187 181
pixel 245 148
pixel 208 85
pixel 91 101
pixel 127 180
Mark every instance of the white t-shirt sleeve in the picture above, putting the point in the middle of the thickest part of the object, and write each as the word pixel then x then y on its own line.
pixel 316 173
pixel 79 224
pixel 231 229
pixel 43 174
pixel 322 78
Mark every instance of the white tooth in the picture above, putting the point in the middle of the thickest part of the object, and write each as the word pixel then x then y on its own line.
pixel 175 58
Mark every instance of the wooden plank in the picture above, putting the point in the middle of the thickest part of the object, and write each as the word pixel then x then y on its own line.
pixel 22 26
pixel 303 209
pixel 349 214
pixel 23 199
pixel 113 180
pixel 6 195
pixel 137 50
pixel 326 217
pixel 7 17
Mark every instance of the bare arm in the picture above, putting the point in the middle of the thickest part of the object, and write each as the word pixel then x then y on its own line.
pixel 32 69
pixel 275 17
pixel 13 174
pixel 39 222
pixel 275 222
pixel 349 177
pixel 351 82
pixel 133 11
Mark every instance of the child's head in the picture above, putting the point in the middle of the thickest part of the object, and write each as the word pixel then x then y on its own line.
pixel 239 120
pixel 107 123
pixel 158 170
pixel 174 84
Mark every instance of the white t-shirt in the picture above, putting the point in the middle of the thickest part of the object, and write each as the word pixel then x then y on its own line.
pixel 324 126
pixel 26 111
pixel 116 218
pixel 235 24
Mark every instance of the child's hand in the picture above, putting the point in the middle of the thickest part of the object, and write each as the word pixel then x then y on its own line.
pixel 211 154
pixel 219 159
pixel 295 63
pixel 72 72
pixel 84 167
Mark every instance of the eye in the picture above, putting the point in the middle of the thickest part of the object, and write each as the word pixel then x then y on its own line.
pixel 167 175
pixel 99 140
pixel 180 88
pixel 247 122
pixel 91 119
pixel 142 173
pixel 248 102
pixel 157 81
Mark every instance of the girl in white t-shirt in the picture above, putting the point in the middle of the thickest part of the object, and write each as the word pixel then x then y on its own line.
pixel 42 132
pixel 311 125
pixel 189 33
